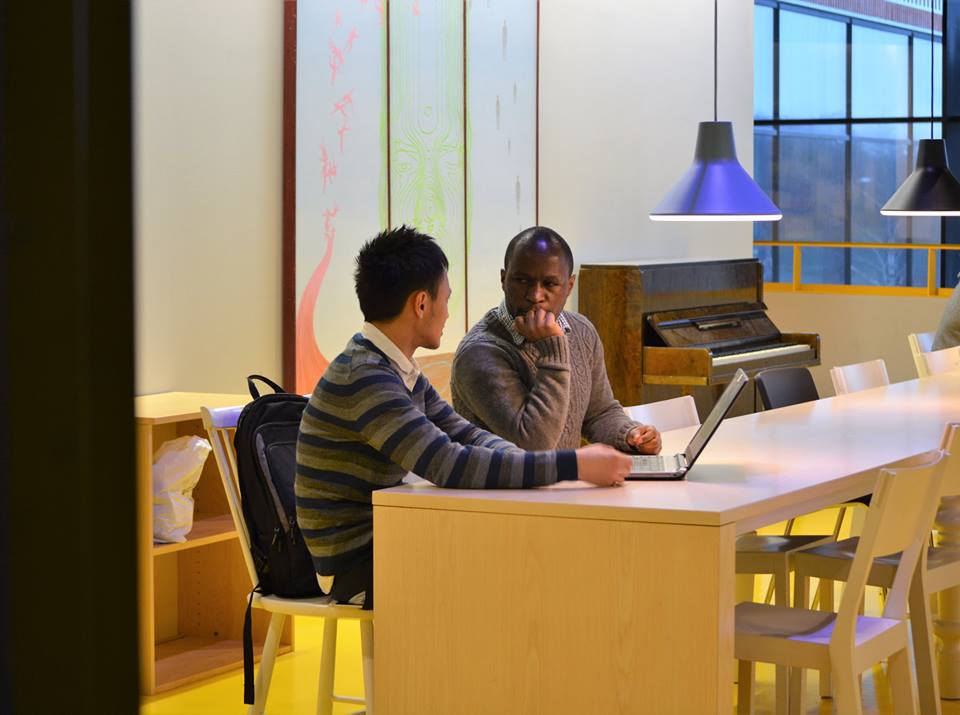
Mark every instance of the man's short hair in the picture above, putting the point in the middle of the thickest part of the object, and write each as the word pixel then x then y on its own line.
pixel 536 234
pixel 391 266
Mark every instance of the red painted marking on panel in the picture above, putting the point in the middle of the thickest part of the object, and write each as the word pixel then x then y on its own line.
pixel 351 38
pixel 336 61
pixel 310 361
pixel 328 169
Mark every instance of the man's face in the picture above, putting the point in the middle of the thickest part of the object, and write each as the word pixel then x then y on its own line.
pixel 436 315
pixel 537 277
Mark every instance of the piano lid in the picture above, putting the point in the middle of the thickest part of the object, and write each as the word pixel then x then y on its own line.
pixel 718 328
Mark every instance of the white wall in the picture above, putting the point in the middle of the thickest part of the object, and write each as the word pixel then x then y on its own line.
pixel 622 89
pixel 207 125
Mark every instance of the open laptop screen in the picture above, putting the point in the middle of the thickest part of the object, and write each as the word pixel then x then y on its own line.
pixel 715 417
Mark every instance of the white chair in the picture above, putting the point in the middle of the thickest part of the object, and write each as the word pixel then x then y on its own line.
pixel 845 643
pixel 833 561
pixel 859 376
pixel 920 343
pixel 666 415
pixel 939 361
pixel 221 425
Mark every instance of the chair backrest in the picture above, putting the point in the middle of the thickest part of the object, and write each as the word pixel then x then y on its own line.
pixel 221 425
pixel 920 343
pixel 940 361
pixel 666 415
pixel 436 368
pixel 783 386
pixel 950 443
pixel 859 376
pixel 900 517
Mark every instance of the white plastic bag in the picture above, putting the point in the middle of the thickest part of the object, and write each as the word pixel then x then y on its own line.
pixel 176 471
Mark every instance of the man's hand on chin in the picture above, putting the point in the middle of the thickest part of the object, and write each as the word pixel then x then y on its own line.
pixel 645 439
pixel 537 324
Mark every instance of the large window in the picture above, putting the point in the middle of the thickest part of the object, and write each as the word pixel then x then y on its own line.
pixel 840 102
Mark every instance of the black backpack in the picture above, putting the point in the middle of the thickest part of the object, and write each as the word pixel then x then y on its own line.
pixel 266 446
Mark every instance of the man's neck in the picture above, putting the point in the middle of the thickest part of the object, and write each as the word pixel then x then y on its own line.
pixel 399 336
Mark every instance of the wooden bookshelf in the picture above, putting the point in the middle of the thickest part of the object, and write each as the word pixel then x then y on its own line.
pixel 192 594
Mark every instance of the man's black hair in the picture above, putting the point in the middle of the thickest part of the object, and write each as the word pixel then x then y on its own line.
pixel 391 266
pixel 536 234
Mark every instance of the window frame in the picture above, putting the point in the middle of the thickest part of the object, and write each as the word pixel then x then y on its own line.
pixel 848 121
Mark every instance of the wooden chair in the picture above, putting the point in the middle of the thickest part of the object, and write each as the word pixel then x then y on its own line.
pixel 221 426
pixel 859 376
pixel 833 561
pixel 785 386
pixel 939 361
pixel 845 643
pixel 920 343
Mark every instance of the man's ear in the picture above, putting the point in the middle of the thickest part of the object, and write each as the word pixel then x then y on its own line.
pixel 503 276
pixel 571 281
pixel 418 301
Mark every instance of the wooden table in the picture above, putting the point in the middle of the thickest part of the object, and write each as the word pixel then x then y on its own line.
pixel 577 599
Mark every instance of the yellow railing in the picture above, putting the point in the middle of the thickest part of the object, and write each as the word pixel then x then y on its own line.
pixel 931 289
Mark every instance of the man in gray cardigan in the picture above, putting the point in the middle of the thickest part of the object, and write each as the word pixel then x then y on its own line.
pixel 948 332
pixel 533 373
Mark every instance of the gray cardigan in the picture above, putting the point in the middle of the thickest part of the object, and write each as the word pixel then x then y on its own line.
pixel 948 332
pixel 538 395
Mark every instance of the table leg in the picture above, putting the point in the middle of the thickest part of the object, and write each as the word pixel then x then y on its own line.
pixel 947 623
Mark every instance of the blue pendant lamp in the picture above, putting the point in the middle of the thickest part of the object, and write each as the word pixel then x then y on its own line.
pixel 716 187
pixel 931 190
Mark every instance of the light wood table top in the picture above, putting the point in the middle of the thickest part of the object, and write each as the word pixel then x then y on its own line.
pixel 179 406
pixel 757 469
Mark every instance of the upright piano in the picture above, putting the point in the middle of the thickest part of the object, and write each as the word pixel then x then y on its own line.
pixel 685 327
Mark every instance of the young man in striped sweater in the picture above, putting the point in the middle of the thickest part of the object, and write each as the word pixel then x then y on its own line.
pixel 373 417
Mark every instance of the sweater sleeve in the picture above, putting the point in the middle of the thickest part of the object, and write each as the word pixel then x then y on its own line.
pixel 605 421
pixel 491 388
pixel 460 430
pixel 384 414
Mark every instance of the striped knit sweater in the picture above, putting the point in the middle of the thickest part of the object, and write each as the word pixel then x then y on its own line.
pixel 363 430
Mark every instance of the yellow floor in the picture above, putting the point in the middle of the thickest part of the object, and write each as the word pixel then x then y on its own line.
pixel 294 687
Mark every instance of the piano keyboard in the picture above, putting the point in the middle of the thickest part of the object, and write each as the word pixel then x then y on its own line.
pixel 759 354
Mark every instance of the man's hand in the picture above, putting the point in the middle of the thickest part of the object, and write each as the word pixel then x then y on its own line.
pixel 537 324
pixel 645 439
pixel 602 465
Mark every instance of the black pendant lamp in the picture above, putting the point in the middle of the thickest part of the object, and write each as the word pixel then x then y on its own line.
pixel 716 187
pixel 931 190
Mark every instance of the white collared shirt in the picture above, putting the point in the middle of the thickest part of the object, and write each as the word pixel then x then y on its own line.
pixel 409 369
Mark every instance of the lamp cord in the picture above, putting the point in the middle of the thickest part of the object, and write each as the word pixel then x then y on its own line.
pixel 715 60
pixel 931 69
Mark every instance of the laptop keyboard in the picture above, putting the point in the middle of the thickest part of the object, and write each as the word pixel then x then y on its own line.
pixel 647 463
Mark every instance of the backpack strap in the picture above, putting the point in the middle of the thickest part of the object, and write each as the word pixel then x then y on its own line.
pixel 248 687
pixel 254 392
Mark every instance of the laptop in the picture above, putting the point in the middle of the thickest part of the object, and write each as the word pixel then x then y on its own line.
pixel 676 466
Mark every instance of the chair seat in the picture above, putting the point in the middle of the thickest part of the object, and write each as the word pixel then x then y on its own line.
pixel 320 606
pixel 778 544
pixel 801 637
pixel 761 554
pixel 833 561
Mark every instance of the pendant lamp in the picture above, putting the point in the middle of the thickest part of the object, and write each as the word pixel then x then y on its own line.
pixel 716 187
pixel 931 190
